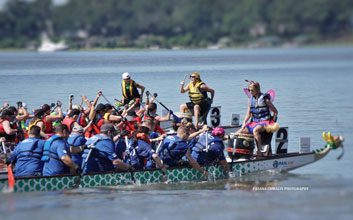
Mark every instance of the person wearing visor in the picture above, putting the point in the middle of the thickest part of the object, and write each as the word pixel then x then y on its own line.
pixel 199 104
pixel 130 89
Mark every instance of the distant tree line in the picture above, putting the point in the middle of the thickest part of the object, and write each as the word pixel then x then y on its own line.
pixel 173 23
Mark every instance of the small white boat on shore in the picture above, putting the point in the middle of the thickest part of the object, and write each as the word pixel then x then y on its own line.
pixel 49 46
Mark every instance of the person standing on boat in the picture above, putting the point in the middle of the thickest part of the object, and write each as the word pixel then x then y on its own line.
pixel 56 154
pixel 28 153
pixel 199 104
pixel 175 147
pixel 259 111
pixel 77 143
pixel 130 89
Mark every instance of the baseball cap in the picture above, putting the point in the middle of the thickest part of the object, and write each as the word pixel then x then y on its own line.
pixel 125 75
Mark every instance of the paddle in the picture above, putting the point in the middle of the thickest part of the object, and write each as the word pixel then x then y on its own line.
pixel 231 174
pixel 175 118
pixel 128 147
pixel 83 166
pixel 10 176
pixel 110 103
pixel 207 145
pixel 159 146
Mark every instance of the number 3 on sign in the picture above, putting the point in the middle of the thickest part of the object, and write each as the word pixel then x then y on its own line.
pixel 215 116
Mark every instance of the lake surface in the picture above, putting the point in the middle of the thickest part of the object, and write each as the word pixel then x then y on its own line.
pixel 313 87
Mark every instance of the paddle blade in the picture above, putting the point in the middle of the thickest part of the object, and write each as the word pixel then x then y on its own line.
pixel 11 178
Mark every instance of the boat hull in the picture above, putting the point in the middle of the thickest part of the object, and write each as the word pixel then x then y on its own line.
pixel 184 174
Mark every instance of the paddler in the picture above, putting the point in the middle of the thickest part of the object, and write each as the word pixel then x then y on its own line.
pixel 8 127
pixel 175 147
pixel 199 104
pixel 209 148
pixel 27 154
pixel 103 157
pixel 130 89
pixel 48 118
pixel 259 111
pixel 56 154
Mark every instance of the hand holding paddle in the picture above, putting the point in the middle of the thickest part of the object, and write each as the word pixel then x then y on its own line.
pixel 183 82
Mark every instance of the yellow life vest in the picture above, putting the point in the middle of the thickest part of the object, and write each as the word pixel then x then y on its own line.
pixel 129 90
pixel 195 95
pixel 106 116
pixel 32 123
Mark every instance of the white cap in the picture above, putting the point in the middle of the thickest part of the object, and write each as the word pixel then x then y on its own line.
pixel 125 75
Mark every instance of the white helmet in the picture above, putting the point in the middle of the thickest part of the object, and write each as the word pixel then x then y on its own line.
pixel 125 75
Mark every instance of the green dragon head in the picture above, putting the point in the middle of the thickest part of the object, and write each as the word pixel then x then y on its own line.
pixel 334 142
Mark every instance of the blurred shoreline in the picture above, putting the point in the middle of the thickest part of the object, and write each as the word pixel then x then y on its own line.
pixel 322 44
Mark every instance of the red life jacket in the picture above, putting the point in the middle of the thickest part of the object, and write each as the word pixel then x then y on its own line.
pixel 94 128
pixel 82 120
pixel 9 138
pixel 48 126
pixel 68 122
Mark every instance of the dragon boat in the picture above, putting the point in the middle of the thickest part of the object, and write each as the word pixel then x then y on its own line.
pixel 278 162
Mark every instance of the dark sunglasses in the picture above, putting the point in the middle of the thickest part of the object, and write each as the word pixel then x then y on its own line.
pixel 192 76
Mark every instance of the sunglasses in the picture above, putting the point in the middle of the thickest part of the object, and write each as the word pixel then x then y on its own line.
pixel 192 76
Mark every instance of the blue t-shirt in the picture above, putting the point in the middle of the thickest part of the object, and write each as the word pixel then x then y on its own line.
pixel 27 156
pixel 55 166
pixel 76 140
pixel 101 156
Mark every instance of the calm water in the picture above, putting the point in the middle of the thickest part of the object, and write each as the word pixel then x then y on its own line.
pixel 313 95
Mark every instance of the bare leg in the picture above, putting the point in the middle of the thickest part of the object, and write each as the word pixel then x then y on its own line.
pixel 242 131
pixel 196 114
pixel 183 108
pixel 257 136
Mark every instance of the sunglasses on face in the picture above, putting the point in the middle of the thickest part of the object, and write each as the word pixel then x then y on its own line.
pixel 192 77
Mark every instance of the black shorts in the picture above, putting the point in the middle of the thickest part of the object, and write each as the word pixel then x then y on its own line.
pixel 204 107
